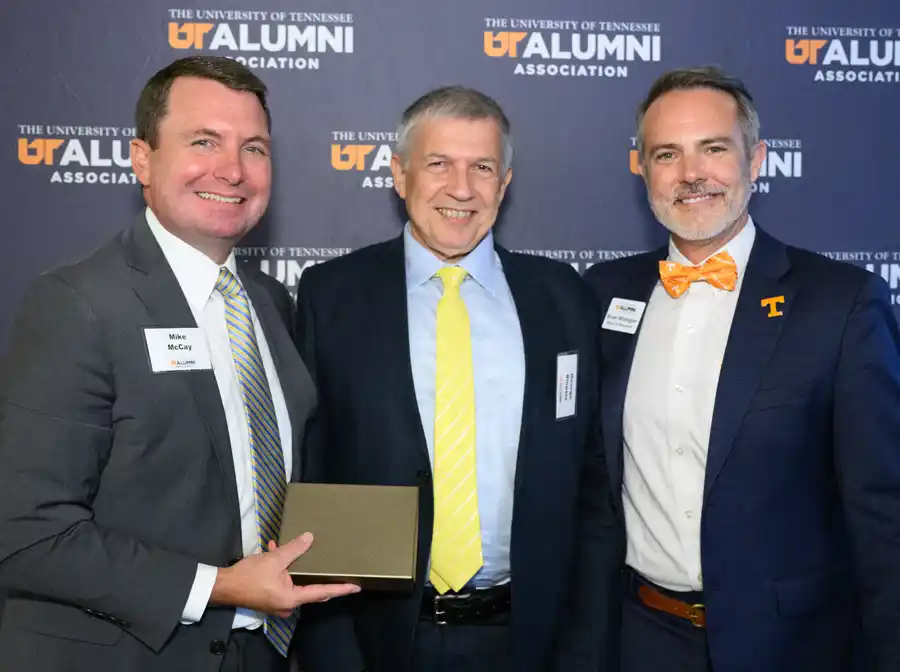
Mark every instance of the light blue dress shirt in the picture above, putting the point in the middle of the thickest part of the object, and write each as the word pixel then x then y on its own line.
pixel 498 359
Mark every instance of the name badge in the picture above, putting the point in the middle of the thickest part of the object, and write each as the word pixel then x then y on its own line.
pixel 566 384
pixel 624 315
pixel 177 350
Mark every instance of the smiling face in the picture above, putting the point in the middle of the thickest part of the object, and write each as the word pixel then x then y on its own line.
pixel 697 170
pixel 453 183
pixel 209 177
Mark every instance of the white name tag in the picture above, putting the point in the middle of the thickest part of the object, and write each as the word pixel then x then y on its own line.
pixel 177 350
pixel 624 315
pixel 566 384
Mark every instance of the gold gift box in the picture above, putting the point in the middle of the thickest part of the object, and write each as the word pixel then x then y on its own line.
pixel 363 534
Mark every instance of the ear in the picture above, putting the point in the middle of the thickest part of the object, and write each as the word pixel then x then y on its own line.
pixel 140 160
pixel 756 160
pixel 399 174
pixel 644 171
pixel 506 180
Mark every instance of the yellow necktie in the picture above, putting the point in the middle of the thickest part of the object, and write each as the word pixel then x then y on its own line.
pixel 456 542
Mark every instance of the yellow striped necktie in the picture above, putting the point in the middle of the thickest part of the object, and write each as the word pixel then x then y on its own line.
pixel 266 455
pixel 456 543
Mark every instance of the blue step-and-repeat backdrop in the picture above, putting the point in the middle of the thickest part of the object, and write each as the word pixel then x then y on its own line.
pixel 825 75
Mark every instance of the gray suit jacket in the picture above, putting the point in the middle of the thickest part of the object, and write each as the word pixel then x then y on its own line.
pixel 115 481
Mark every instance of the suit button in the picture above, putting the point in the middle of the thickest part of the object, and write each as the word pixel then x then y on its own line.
pixel 217 647
pixel 234 561
pixel 423 476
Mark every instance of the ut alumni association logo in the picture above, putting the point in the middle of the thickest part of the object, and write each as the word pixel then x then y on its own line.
pixel 372 157
pixel 94 147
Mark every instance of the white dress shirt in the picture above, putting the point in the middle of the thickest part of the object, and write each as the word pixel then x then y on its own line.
pixel 196 274
pixel 668 413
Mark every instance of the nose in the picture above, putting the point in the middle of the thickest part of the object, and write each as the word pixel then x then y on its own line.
pixel 459 184
pixel 228 167
pixel 691 168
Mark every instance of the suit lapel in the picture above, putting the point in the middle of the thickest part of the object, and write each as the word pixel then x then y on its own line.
pixel 750 345
pixel 533 310
pixel 296 384
pixel 618 355
pixel 158 289
pixel 384 306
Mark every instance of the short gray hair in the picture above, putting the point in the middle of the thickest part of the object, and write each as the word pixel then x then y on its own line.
pixel 706 77
pixel 454 102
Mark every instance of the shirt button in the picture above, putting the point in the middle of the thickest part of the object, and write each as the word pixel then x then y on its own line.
pixel 700 578
pixel 679 388
pixel 688 514
pixel 690 329
pixel 679 450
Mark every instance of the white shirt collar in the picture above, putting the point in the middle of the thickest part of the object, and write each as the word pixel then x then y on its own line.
pixel 738 247
pixel 196 273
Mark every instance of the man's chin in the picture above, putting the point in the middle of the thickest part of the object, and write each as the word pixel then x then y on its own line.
pixel 695 233
pixel 454 249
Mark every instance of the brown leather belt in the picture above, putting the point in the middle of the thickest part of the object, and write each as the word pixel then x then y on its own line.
pixel 695 613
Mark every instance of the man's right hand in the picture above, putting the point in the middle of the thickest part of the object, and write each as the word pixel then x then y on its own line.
pixel 262 583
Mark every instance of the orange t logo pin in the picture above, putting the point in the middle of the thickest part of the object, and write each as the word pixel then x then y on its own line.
pixel 772 303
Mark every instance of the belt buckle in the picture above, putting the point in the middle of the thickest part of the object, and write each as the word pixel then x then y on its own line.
pixel 697 617
pixel 438 613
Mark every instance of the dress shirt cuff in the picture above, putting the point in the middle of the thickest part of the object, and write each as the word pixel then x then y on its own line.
pixel 204 580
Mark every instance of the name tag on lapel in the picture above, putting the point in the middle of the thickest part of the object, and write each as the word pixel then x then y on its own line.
pixel 566 384
pixel 624 315
pixel 177 350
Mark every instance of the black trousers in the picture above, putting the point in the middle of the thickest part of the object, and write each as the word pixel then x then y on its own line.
pixel 655 641
pixel 250 651
pixel 463 648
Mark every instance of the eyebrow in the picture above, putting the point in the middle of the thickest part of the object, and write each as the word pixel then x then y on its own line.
pixel 208 132
pixel 258 138
pixel 720 139
pixel 483 159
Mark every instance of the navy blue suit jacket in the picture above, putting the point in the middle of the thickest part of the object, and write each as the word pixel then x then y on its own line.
pixel 566 546
pixel 800 534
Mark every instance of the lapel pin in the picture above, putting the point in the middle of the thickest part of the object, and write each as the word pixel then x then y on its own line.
pixel 772 304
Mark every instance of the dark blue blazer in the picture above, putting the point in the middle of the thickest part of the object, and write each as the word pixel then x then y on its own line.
pixel 800 534
pixel 566 542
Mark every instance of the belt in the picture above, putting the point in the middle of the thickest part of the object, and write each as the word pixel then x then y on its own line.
pixel 695 613
pixel 659 600
pixel 467 608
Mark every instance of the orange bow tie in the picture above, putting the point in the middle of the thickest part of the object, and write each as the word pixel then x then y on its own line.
pixel 719 271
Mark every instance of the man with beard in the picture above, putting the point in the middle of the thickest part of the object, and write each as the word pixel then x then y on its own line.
pixel 751 409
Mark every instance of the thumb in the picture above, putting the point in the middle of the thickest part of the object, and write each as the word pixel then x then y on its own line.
pixel 294 548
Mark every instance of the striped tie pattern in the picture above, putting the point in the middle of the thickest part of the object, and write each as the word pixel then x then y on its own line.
pixel 266 455
pixel 719 271
pixel 456 542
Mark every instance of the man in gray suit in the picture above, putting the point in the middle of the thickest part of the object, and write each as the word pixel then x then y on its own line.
pixel 152 410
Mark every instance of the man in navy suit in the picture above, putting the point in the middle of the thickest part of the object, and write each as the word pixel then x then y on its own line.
pixel 751 416
pixel 527 580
